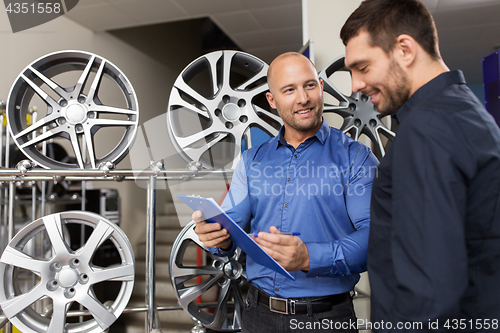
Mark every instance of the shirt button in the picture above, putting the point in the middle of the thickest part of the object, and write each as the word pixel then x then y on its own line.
pixel 286 205
pixel 277 289
pixel 295 156
pixel 288 179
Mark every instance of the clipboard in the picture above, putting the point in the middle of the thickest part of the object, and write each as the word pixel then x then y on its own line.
pixel 213 213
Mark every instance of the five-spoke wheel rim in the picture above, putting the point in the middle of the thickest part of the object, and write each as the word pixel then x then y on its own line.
pixel 216 105
pixel 66 276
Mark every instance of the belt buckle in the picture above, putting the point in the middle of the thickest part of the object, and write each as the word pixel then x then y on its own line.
pixel 276 305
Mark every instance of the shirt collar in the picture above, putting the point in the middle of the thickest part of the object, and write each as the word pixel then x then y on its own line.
pixel 429 89
pixel 322 134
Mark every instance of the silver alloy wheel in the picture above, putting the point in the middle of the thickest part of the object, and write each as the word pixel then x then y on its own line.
pixel 214 103
pixel 67 276
pixel 74 113
pixel 360 115
pixel 224 275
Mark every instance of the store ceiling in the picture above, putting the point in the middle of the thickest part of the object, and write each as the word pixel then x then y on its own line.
pixel 468 29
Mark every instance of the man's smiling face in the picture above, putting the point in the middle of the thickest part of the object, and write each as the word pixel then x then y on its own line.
pixel 376 74
pixel 297 94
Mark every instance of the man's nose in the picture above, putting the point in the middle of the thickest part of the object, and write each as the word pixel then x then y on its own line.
pixel 357 83
pixel 302 96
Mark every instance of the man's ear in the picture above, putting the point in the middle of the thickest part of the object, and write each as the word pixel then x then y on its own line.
pixel 405 49
pixel 270 100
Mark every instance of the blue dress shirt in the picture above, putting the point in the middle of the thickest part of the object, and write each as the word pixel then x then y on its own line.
pixel 321 190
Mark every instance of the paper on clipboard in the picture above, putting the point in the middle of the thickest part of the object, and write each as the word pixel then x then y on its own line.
pixel 213 213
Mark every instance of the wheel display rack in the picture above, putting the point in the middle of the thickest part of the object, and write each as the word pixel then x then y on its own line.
pixel 16 258
pixel 228 111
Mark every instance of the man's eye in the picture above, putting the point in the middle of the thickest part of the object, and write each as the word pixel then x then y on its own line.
pixel 362 69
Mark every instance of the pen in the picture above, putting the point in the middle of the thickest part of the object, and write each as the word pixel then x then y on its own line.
pixel 256 234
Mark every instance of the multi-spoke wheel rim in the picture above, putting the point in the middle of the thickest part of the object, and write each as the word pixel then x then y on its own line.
pixel 226 274
pixel 67 276
pixel 222 111
pixel 74 112
pixel 360 115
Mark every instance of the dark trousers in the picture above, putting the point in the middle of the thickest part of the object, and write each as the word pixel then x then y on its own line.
pixel 257 318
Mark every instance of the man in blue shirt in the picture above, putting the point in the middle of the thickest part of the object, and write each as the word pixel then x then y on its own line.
pixel 310 179
pixel 434 249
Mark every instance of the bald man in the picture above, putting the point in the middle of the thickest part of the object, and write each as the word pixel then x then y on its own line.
pixel 313 180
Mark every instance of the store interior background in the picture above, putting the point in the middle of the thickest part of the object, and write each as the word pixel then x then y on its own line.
pixel 151 41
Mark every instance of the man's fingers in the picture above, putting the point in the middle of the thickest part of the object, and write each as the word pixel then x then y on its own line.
pixel 211 234
pixel 275 253
pixel 274 230
pixel 275 238
pixel 291 257
pixel 264 243
pixel 278 246
pixel 197 216
pixel 221 241
pixel 203 227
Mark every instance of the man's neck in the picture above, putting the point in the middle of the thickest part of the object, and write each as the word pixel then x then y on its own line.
pixel 295 138
pixel 427 71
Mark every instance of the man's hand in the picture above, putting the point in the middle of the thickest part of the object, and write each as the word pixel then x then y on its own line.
pixel 287 250
pixel 211 234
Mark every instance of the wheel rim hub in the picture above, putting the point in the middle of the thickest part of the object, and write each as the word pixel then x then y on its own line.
pixel 67 277
pixel 231 112
pixel 76 113
pixel 366 113
pixel 233 270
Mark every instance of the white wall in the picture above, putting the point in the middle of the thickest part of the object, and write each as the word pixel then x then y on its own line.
pixel 151 80
pixel 322 24
pixel 325 18
pixel 323 21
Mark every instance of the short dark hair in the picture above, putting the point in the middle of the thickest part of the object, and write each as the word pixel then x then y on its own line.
pixel 385 20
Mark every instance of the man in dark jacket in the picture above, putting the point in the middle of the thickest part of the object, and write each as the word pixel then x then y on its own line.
pixel 434 245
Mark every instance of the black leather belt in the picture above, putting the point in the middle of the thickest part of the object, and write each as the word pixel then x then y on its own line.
pixel 299 305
